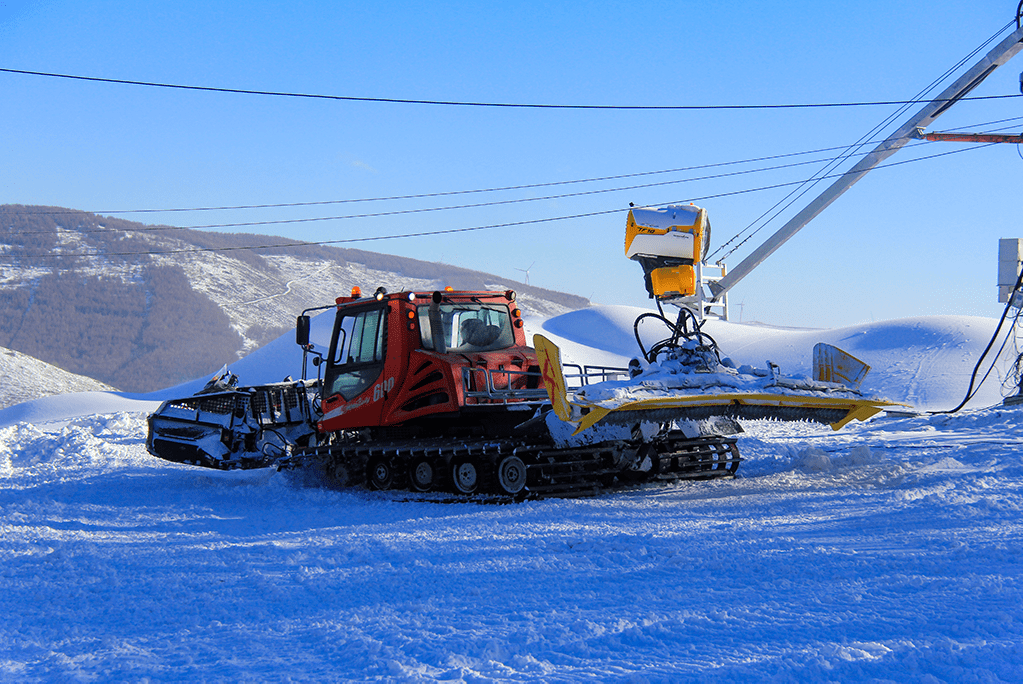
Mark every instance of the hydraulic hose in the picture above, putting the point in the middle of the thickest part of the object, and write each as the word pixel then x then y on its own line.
pixel 970 392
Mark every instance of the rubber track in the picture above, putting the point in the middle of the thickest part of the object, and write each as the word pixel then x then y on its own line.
pixel 551 471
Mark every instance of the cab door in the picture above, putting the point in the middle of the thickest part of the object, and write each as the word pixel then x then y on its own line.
pixel 358 350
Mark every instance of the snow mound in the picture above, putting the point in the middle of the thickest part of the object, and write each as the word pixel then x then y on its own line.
pixel 27 378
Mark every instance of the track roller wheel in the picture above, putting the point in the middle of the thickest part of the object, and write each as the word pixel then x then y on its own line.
pixel 511 475
pixel 465 475
pixel 339 474
pixel 421 474
pixel 379 473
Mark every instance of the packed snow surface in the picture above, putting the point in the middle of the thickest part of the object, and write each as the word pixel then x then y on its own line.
pixel 890 550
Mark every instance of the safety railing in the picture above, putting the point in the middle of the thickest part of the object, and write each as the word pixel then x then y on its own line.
pixel 587 375
pixel 495 386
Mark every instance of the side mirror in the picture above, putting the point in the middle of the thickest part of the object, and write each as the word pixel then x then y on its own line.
pixel 302 331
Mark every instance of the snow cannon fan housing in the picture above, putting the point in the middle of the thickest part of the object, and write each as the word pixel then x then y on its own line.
pixel 667 243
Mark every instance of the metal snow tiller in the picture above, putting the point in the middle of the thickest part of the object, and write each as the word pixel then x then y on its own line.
pixel 226 427
pixel 426 391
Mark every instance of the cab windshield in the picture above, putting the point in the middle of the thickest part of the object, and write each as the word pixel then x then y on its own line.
pixel 469 327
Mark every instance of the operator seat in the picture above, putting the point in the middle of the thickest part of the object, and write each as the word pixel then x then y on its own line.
pixel 476 333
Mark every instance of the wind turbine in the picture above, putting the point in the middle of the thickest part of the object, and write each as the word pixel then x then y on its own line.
pixel 526 271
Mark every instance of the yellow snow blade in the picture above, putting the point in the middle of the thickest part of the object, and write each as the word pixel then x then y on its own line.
pixel 732 402
pixel 549 357
pixel 760 404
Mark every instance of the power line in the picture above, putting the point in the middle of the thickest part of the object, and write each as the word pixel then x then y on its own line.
pixel 448 231
pixel 451 193
pixel 502 105
pixel 986 123
pixel 398 212
pixel 431 195
pixel 506 188
pixel 478 205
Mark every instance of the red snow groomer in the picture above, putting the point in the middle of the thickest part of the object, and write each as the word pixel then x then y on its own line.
pixel 439 391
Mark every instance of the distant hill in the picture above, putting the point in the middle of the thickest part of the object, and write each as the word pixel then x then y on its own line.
pixel 144 307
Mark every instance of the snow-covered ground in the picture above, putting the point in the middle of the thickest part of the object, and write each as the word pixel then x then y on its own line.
pixel 891 550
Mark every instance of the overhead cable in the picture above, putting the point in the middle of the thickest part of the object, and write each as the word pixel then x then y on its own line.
pixel 447 231
pixel 428 195
pixel 397 212
pixel 57 212
pixel 504 105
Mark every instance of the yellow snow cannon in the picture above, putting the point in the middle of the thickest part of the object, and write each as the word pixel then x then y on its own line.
pixel 667 242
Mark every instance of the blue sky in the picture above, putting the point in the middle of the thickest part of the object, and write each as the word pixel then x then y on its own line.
pixel 917 239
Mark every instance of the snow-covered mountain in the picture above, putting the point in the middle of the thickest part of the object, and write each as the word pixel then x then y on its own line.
pixel 887 551
pixel 142 307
